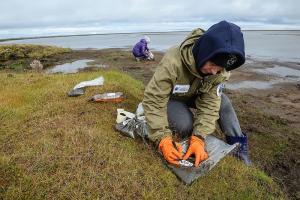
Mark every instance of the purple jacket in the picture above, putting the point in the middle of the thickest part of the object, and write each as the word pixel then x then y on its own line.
pixel 140 49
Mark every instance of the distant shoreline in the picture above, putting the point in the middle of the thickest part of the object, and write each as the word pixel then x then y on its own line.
pixel 93 34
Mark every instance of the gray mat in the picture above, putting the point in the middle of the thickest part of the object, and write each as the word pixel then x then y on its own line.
pixel 216 149
pixel 187 173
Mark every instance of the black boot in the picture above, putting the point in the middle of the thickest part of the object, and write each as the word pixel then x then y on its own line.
pixel 242 152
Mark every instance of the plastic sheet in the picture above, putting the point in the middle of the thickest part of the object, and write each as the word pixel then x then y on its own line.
pixel 108 97
pixel 95 82
pixel 79 88
pixel 133 125
pixel 216 149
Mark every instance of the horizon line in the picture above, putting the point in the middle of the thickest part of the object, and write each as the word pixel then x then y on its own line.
pixel 119 33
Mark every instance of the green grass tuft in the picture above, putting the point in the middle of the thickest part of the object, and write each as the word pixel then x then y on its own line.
pixel 22 51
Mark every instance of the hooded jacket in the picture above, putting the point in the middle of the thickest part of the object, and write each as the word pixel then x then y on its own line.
pixel 140 49
pixel 177 77
pixel 222 38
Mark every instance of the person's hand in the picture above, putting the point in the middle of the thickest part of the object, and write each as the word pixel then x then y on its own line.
pixel 197 148
pixel 172 151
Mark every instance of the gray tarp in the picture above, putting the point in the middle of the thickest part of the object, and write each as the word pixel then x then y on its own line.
pixel 216 149
pixel 135 125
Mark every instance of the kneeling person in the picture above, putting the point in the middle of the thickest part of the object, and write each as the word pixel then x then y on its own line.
pixel 191 76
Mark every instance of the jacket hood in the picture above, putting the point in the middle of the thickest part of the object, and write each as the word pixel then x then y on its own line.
pixel 143 41
pixel 223 38
pixel 147 39
pixel 186 50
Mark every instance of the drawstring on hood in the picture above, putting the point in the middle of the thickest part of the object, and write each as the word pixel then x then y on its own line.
pixel 223 44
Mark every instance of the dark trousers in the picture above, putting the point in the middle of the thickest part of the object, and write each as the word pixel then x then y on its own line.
pixel 181 118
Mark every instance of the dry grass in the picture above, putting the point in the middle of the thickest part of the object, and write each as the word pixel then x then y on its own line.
pixel 56 147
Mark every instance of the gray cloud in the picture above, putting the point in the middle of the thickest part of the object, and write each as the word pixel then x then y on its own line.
pixel 37 13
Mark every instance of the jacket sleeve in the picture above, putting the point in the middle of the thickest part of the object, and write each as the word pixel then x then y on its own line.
pixel 156 97
pixel 208 105
pixel 143 49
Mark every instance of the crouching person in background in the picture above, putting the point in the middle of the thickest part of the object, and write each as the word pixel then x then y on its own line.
pixel 141 51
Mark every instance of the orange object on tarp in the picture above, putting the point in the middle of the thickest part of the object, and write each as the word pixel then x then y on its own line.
pixel 116 97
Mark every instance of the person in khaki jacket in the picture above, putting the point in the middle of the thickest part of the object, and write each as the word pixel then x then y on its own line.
pixel 192 75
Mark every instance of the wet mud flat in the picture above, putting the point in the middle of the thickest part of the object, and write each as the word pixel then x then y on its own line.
pixel 265 94
pixel 274 82
pixel 274 92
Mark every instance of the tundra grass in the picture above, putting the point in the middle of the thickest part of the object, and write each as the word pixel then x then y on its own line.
pixel 58 147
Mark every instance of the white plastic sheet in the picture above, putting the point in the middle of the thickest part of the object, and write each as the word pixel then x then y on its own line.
pixel 95 82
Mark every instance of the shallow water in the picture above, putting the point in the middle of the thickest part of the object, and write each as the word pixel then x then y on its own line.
pixel 70 67
pixel 265 45
pixel 281 74
pixel 280 71
pixel 250 85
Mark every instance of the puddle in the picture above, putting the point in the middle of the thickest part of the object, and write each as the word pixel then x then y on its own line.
pixel 71 67
pixel 261 85
pixel 283 74
pixel 280 71
pixel 249 84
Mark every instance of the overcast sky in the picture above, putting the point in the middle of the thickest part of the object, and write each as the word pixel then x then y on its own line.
pixel 62 14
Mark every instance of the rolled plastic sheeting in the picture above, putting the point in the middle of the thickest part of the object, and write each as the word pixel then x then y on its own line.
pixel 95 82
pixel 133 127
pixel 79 88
